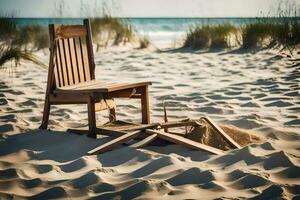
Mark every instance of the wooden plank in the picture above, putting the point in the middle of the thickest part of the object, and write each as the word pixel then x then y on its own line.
pixel 91 117
pixel 68 62
pixel 79 59
pixel 145 141
pixel 82 58
pixel 70 31
pixel 145 105
pixel 56 76
pixel 113 143
pixel 185 142
pixel 110 132
pixel 99 88
pixel 89 44
pixel 86 62
pixel 138 127
pixel 63 62
pixel 59 69
pixel 73 60
pixel 165 116
pixel 177 124
pixel 228 139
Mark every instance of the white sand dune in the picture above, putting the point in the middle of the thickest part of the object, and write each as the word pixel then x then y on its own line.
pixel 258 92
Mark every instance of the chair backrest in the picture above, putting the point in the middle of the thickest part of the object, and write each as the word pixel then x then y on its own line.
pixel 71 55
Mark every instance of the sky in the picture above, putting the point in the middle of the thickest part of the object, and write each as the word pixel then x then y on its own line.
pixel 143 8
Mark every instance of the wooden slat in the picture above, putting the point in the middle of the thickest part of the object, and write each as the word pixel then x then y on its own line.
pixel 82 58
pixel 70 31
pixel 100 88
pixel 145 141
pixel 145 105
pixel 74 60
pixel 89 44
pixel 86 62
pixel 59 69
pixel 228 139
pixel 177 124
pixel 68 61
pixel 113 143
pixel 56 76
pixel 186 142
pixel 79 59
pixel 63 62
pixel 138 127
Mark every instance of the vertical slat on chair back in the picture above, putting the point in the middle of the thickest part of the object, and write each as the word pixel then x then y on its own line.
pixel 73 60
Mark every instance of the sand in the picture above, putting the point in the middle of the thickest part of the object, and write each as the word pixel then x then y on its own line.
pixel 257 92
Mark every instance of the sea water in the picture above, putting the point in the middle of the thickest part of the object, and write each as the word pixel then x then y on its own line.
pixel 157 30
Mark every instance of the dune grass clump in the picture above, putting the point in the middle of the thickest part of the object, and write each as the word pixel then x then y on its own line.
pixel 16 54
pixel 220 35
pixel 34 35
pixel 209 36
pixel 144 42
pixel 8 28
pixel 287 32
pixel 255 35
pixel 10 44
pixel 111 31
pixel 198 37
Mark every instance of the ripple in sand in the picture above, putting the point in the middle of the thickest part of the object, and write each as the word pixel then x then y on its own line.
pixel 250 181
pixel 210 110
pixel 292 172
pixel 103 187
pixel 250 104
pixel 73 166
pixel 152 167
pixel 294 122
pixel 6 128
pixel 279 103
pixel 277 159
pixel 52 193
pixel 85 180
pixel 8 174
pixel 272 192
pixel 192 176
pixel 3 101
pixel 44 168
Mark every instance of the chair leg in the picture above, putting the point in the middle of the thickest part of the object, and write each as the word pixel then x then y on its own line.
pixel 145 106
pixel 46 113
pixel 112 115
pixel 91 117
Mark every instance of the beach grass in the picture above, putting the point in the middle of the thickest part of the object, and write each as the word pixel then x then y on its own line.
pixel 209 36
pixel 255 35
pixel 144 42
pixel 16 54
pixel 111 31
pixel 34 37
pixel 12 38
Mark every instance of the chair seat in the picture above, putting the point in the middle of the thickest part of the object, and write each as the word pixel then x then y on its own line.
pixel 98 86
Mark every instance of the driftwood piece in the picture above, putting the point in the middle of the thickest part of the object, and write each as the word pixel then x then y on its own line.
pixel 145 141
pixel 186 142
pixel 113 143
pixel 227 138
pixel 165 116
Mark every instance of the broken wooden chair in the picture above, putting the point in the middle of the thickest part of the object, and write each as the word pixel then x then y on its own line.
pixel 71 77
pixel 155 130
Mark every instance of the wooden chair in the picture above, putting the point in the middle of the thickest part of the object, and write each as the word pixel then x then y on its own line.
pixel 71 77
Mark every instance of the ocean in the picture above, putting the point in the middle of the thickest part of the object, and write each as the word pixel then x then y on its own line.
pixel 158 30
